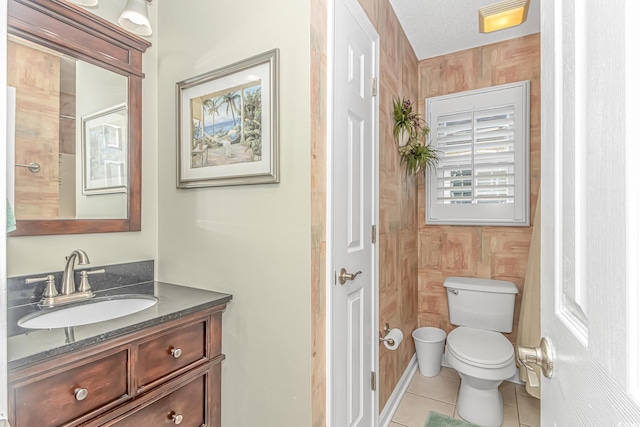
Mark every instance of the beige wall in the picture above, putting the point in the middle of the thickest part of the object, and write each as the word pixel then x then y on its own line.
pixel 398 197
pixel 251 241
pixel 488 252
pixel 28 255
pixel 108 89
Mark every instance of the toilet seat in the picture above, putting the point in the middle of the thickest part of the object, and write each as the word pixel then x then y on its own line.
pixel 480 348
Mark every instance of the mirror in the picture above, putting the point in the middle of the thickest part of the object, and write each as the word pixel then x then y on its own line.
pixel 76 151
pixel 70 145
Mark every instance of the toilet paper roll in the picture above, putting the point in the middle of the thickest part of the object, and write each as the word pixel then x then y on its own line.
pixel 396 335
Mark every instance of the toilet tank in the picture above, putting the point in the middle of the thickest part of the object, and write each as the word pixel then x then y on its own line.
pixel 481 303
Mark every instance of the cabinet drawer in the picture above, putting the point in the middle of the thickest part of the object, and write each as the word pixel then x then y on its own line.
pixel 171 352
pixel 186 404
pixel 50 401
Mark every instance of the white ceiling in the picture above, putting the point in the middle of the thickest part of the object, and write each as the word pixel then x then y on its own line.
pixel 436 27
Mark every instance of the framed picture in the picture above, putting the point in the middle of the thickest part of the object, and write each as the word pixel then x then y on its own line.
pixel 111 135
pixel 104 151
pixel 228 125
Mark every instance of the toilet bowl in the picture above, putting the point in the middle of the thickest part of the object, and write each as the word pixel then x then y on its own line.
pixel 482 309
pixel 483 359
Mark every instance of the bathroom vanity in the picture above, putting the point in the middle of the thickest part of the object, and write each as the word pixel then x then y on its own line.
pixel 158 367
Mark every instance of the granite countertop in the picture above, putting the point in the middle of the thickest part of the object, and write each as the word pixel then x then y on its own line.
pixel 174 301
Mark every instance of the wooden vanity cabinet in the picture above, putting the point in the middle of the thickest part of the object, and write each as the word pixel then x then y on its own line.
pixel 54 398
pixel 163 375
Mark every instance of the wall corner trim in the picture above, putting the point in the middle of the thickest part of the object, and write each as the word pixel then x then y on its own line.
pixel 398 393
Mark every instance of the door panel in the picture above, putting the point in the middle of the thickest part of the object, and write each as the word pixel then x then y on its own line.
pixel 356 365
pixel 355 213
pixel 354 210
pixel 584 233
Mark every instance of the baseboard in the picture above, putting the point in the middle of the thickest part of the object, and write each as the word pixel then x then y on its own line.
pixel 398 393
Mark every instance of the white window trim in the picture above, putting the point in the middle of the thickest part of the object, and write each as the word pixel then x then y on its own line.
pixel 473 214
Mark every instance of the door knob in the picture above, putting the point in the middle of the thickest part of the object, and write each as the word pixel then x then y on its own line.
pixel 176 418
pixel 344 276
pixel 80 394
pixel 541 356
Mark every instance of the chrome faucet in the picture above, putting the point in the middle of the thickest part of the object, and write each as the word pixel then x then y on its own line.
pixel 68 281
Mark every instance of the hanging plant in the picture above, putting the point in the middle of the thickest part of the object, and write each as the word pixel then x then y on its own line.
pixel 409 131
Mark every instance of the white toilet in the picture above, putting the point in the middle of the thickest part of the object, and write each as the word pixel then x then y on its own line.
pixel 483 357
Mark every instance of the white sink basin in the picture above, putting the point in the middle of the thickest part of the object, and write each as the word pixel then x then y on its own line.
pixel 91 311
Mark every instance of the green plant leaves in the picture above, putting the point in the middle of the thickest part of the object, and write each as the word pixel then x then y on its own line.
pixel 414 155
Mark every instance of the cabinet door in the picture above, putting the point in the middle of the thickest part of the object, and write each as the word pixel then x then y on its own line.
pixel 67 394
pixel 184 406
pixel 173 351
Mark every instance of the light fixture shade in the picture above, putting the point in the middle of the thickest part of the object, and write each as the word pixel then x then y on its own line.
pixel 135 18
pixel 505 14
pixel 86 3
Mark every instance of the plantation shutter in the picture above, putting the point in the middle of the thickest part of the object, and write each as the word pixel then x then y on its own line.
pixel 482 139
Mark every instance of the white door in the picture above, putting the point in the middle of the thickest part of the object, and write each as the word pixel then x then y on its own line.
pixel 590 215
pixel 353 185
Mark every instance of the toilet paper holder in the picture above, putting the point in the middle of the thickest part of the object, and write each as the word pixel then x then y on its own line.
pixel 382 338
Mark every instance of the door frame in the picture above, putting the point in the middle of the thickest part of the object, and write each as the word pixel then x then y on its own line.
pixel 3 212
pixel 356 9
pixel 632 63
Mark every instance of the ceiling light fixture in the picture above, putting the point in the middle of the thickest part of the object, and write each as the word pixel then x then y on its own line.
pixel 135 17
pixel 86 3
pixel 505 14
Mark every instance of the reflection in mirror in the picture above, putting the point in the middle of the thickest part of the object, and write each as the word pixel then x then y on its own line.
pixel 72 120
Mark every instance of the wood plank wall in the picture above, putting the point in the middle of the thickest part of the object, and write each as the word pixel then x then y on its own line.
pixel 36 77
pixel 318 140
pixel 488 252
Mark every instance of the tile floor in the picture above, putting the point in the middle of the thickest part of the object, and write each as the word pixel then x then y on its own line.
pixel 440 393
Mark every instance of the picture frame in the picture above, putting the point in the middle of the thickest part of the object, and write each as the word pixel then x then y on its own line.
pixel 105 151
pixel 227 125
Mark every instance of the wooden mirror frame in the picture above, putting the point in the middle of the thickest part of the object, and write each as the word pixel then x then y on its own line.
pixel 73 31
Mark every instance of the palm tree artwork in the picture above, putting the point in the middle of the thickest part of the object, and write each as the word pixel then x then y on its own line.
pixel 253 120
pixel 230 100
pixel 222 117
pixel 231 126
pixel 196 131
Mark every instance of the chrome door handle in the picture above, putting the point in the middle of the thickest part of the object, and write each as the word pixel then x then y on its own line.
pixel 541 356
pixel 344 276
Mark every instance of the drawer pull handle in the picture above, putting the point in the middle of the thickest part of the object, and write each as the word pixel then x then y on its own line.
pixel 80 394
pixel 176 353
pixel 177 418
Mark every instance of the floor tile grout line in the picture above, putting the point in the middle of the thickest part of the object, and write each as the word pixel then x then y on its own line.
pixel 432 398
pixel 518 408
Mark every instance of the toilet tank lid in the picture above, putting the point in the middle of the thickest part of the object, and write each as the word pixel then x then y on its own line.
pixel 482 285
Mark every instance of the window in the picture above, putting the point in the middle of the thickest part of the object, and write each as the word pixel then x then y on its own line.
pixel 483 174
